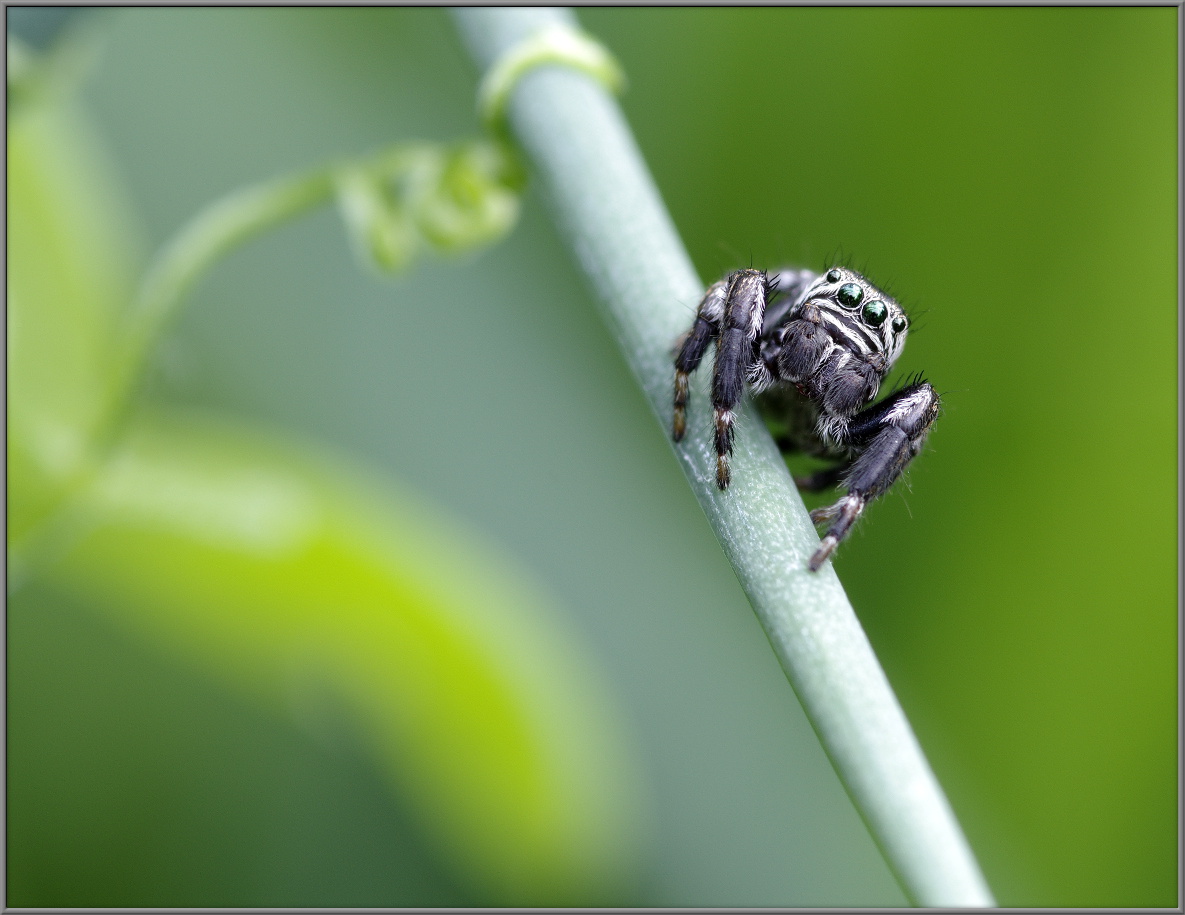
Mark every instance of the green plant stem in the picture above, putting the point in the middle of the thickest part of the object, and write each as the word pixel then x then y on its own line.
pixel 606 203
pixel 219 229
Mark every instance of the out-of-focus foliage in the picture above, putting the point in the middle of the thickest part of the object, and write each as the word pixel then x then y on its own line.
pixel 289 580
pixel 374 620
pixel 70 263
pixel 452 199
pixel 1010 173
pixel 396 205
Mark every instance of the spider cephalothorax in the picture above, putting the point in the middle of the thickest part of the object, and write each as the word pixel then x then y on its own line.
pixel 816 348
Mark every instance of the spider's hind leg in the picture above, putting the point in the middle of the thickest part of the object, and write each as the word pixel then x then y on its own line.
pixel 885 438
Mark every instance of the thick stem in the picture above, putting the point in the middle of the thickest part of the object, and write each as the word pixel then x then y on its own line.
pixel 606 203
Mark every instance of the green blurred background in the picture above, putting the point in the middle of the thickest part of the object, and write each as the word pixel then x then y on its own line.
pixel 1010 174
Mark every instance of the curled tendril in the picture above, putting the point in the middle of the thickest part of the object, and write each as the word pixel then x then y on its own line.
pixel 554 44
pixel 410 198
pixel 447 198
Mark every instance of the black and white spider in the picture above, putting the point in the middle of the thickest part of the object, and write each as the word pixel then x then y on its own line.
pixel 815 348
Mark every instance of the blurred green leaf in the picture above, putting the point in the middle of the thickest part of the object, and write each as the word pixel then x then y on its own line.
pixel 71 263
pixel 322 599
pixel 291 579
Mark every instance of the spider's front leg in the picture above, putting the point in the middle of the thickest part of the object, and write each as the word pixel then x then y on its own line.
pixel 694 345
pixel 731 313
pixel 884 439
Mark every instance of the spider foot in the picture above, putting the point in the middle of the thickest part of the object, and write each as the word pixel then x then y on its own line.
pixel 819 515
pixel 844 512
pixel 679 421
pixel 724 426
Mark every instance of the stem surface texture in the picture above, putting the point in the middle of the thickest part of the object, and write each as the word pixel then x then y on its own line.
pixel 606 203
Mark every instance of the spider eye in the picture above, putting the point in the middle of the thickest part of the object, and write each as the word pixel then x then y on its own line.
pixel 898 324
pixel 834 275
pixel 849 295
pixel 875 313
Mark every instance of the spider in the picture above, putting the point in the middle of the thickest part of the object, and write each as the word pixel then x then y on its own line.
pixel 815 349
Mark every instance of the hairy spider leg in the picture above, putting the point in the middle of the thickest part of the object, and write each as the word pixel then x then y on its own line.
pixel 789 285
pixel 888 436
pixel 695 344
pixel 736 358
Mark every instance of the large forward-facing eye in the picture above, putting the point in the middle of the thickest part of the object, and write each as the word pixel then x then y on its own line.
pixel 875 313
pixel 849 295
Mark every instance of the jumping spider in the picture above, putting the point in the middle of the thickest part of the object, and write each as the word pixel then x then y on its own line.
pixel 816 348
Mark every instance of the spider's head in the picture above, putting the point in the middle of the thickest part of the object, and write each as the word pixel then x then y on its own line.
pixel 859 316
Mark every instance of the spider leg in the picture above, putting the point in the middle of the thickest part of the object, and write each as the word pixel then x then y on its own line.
pixel 703 332
pixel 884 438
pixel 736 354
pixel 790 284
